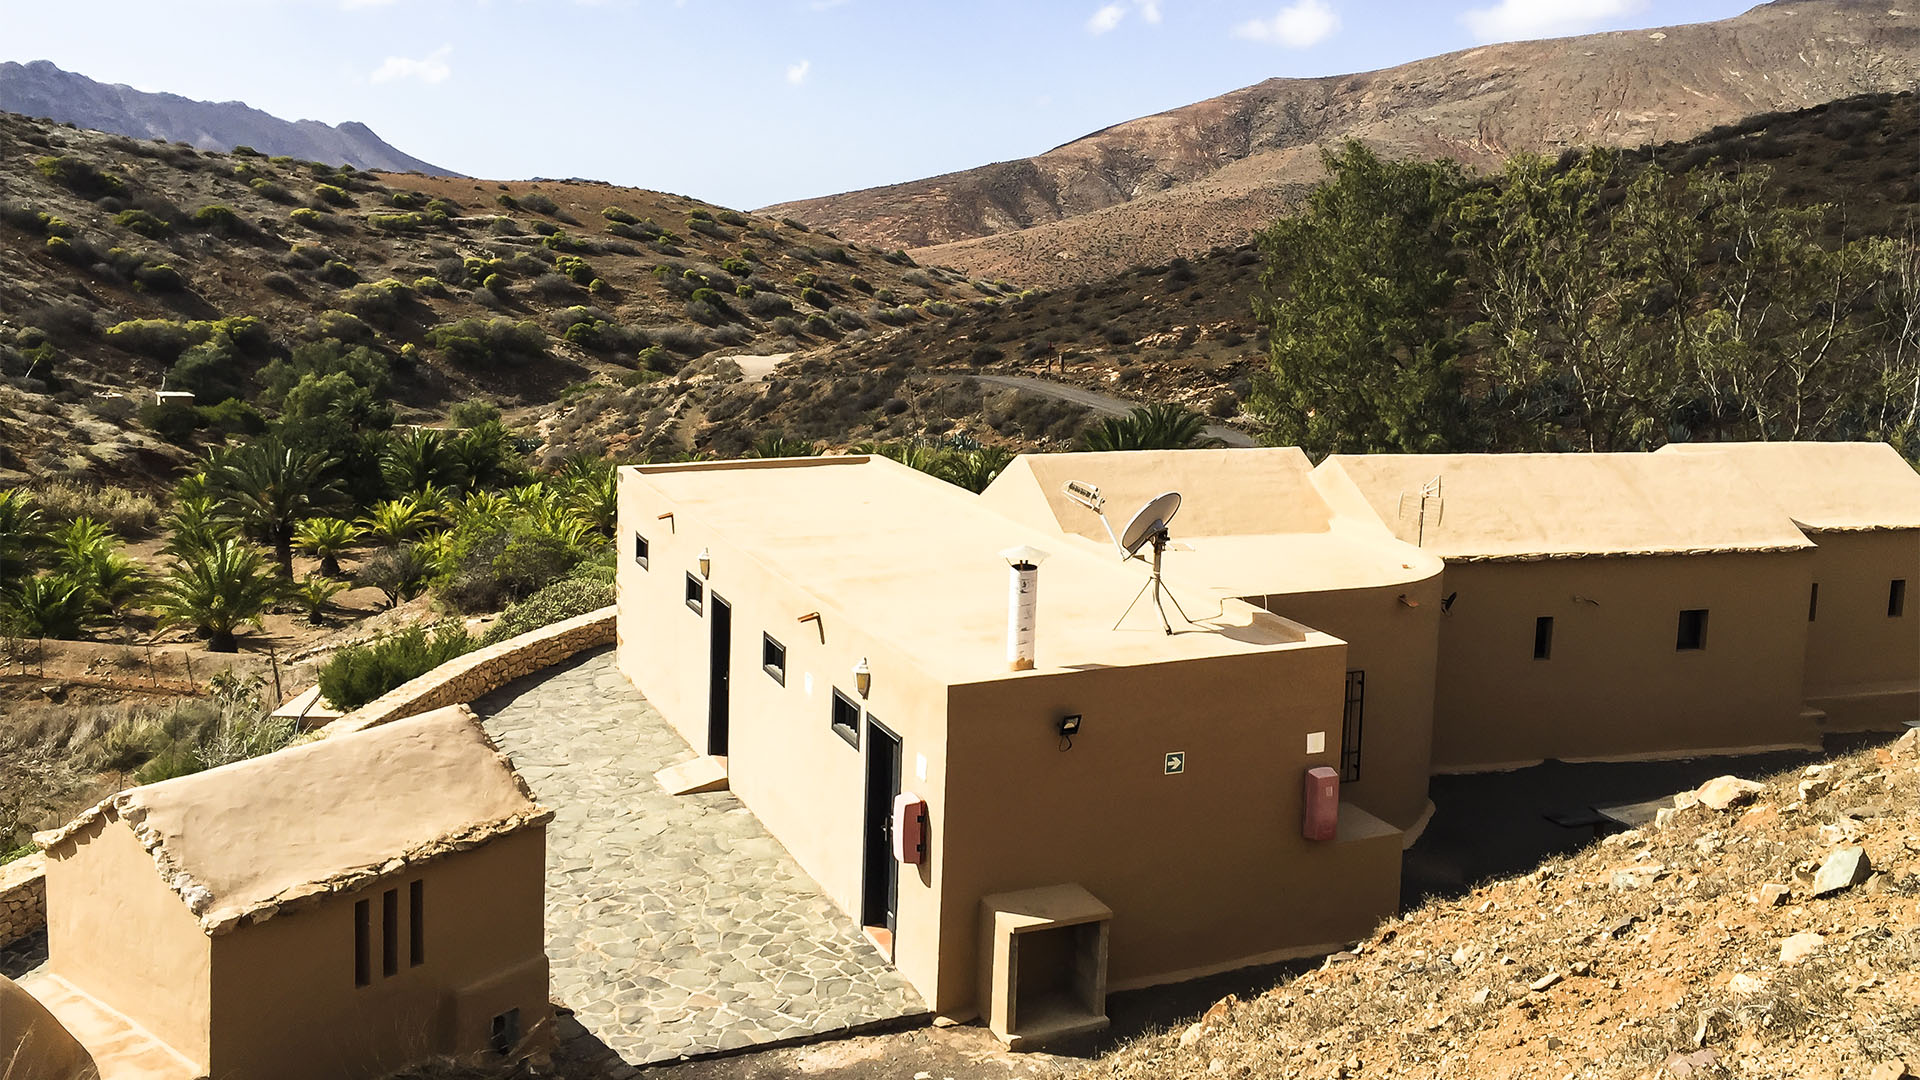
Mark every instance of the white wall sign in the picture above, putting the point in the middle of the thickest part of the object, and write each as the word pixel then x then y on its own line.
pixel 1176 762
pixel 1316 742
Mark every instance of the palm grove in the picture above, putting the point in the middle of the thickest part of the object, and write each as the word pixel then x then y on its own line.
pixel 1584 303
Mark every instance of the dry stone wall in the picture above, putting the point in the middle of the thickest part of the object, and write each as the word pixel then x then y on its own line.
pixel 23 898
pixel 465 678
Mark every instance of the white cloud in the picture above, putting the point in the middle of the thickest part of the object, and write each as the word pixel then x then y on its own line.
pixel 431 68
pixel 1521 20
pixel 1112 15
pixel 797 73
pixel 1296 26
pixel 1106 19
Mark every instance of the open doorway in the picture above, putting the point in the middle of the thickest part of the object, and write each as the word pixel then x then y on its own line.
pixel 719 693
pixel 880 878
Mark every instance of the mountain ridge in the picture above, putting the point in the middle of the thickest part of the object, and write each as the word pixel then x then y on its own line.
pixel 1206 174
pixel 40 88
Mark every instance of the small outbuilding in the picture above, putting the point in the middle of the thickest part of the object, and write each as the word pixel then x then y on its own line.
pixel 338 909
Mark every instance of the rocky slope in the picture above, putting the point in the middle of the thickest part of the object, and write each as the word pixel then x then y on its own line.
pixel 41 89
pixel 1184 181
pixel 1757 929
pixel 116 253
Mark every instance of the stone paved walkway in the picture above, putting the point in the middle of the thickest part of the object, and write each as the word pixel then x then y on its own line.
pixel 675 926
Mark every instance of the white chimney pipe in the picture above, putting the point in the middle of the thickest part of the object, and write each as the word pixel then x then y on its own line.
pixel 1023 596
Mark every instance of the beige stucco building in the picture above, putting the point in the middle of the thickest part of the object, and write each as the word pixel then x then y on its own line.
pixel 338 909
pixel 1859 503
pixel 1254 526
pixel 1599 606
pixel 837 629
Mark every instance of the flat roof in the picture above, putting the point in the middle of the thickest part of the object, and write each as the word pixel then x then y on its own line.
pixel 1826 486
pixel 916 560
pixel 1542 506
pixel 1252 522
pixel 245 839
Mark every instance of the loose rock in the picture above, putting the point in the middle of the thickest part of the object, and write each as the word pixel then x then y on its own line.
pixel 1843 869
pixel 1799 947
pixel 1723 792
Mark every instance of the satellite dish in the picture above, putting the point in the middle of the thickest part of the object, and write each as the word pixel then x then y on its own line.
pixel 1150 522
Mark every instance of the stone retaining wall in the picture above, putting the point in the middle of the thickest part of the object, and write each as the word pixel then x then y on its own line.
pixel 23 898
pixel 467 677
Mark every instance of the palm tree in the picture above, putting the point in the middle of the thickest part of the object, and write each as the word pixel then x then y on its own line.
pixel 23 533
pixel 975 469
pixel 218 591
pixel 327 538
pixel 271 487
pixel 487 456
pixel 52 606
pixel 593 496
pixel 395 521
pixel 776 444
pixel 422 457
pixel 1149 427
pixel 79 543
pixel 196 523
pixel 115 582
pixel 315 594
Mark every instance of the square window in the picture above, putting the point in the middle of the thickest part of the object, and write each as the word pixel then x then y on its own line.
pixel 1693 630
pixel 640 550
pixel 696 595
pixel 1543 637
pixel 773 657
pixel 1896 598
pixel 846 719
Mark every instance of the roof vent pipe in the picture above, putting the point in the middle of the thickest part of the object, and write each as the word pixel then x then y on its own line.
pixel 1023 595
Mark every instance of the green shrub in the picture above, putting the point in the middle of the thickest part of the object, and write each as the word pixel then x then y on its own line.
pixel 816 298
pixel 80 177
pixel 860 283
pixel 492 342
pixel 142 222
pixel 399 222
pixel 309 217
pixel 507 201
pixel 332 195
pixel 737 266
pixel 61 248
pixel 407 200
pixel 538 203
pixel 161 339
pixel 243 150
pixel 792 224
pixel 806 279
pixel 732 217
pixel 614 213
pixel 358 674
pixel 216 217
pixel 338 272
pixel 558 240
pixel 570 596
pixel 55 226
pixel 575 268
pixel 273 192
pixel 160 277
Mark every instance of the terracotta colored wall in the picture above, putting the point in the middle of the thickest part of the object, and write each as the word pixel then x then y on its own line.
pixel 284 1000
pixel 1398 648
pixel 1863 668
pixel 116 931
pixel 785 763
pixel 1615 686
pixel 1205 868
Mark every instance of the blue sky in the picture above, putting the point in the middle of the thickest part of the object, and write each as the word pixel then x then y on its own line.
pixel 745 104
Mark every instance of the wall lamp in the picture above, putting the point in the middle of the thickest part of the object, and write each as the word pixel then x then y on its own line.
pixel 706 562
pixel 1068 726
pixel 862 677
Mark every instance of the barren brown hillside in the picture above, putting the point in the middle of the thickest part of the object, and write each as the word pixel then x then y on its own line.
pixel 1181 182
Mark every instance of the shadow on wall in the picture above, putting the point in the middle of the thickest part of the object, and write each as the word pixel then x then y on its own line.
pixel 1496 824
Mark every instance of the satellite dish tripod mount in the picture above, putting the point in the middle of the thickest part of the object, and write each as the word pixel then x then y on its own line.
pixel 1149 526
